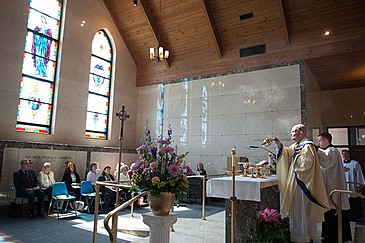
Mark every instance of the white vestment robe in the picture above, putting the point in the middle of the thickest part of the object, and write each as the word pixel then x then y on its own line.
pixel 353 174
pixel 302 189
pixel 333 174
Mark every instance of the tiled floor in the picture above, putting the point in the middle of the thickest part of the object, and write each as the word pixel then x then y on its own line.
pixel 190 228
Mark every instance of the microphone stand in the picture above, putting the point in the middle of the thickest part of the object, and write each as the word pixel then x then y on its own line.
pixel 257 147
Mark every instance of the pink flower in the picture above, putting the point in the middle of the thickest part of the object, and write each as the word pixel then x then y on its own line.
pixel 153 165
pixel 166 149
pixel 155 179
pixel 174 170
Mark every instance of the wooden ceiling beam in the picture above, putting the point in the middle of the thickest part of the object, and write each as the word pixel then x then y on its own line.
pixel 285 28
pixel 153 26
pixel 109 7
pixel 213 28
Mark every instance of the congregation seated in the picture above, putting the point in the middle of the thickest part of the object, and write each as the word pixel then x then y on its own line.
pixel 108 191
pixel 26 184
pixel 93 174
pixel 46 181
pixel 125 177
pixel 70 177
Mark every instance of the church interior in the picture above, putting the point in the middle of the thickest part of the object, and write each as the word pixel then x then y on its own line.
pixel 82 79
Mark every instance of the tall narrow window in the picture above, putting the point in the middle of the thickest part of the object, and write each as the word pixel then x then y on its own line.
pixel 159 115
pixel 184 114
pixel 204 115
pixel 99 87
pixel 35 104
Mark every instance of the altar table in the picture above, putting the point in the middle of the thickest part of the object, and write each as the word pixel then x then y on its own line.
pixel 253 195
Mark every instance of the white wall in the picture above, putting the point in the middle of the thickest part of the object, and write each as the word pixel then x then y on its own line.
pixel 247 108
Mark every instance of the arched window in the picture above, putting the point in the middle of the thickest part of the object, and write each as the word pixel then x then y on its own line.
pixel 35 104
pixel 99 87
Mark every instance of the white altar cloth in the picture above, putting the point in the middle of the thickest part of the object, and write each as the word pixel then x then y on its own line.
pixel 247 188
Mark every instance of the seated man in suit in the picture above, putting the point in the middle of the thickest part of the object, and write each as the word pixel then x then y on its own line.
pixel 26 184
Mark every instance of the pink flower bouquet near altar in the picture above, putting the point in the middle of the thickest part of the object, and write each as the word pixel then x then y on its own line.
pixel 159 167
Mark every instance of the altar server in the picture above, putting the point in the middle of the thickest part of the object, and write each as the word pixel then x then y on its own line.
pixel 301 185
pixel 334 178
pixel 353 174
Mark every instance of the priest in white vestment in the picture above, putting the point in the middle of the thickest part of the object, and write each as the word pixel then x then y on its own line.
pixel 334 178
pixel 303 193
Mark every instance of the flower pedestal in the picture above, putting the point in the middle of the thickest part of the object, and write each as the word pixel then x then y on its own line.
pixel 159 226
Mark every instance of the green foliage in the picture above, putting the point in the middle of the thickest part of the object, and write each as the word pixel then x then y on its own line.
pixel 272 228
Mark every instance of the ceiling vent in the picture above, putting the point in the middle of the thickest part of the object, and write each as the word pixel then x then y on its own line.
pixel 246 16
pixel 253 50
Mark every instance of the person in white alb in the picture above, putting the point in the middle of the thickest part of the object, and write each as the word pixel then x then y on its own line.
pixel 334 178
pixel 353 174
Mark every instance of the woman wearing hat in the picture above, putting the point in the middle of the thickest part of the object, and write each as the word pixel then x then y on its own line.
pixel 108 191
pixel 46 180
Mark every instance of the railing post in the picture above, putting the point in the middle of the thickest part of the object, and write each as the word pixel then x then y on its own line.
pixel 96 202
pixel 203 199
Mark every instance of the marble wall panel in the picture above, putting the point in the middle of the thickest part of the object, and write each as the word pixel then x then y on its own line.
pixel 260 80
pixel 243 108
pixel 259 122
pixel 233 103
pixel 285 99
pixel 258 101
pixel 286 76
pixel 215 104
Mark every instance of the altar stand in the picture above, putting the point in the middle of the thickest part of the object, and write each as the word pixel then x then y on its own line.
pixel 253 195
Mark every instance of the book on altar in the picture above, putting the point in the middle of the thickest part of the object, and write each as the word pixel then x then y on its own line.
pixel 262 163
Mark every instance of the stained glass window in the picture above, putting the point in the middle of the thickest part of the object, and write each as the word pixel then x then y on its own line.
pixel 36 94
pixel 99 87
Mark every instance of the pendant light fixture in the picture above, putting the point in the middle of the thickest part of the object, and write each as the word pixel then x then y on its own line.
pixel 158 52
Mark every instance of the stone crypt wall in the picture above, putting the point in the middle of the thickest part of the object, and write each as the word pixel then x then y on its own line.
pixel 241 108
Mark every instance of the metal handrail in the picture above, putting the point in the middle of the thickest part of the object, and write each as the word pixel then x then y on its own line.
pixel 112 232
pixel 204 177
pixel 339 207
pixel 116 210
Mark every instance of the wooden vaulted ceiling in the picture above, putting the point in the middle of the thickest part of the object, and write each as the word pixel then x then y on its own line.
pixel 205 36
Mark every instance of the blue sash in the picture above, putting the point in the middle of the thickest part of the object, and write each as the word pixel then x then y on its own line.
pixel 304 188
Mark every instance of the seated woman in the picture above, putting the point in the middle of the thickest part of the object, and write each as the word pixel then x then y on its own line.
pixel 93 174
pixel 108 191
pixel 116 170
pixel 71 176
pixel 46 181
pixel 125 177
pixel 200 169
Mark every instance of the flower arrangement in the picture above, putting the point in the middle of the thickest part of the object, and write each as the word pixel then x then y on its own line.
pixel 272 228
pixel 159 168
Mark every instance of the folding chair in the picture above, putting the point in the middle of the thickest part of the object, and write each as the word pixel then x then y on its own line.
pixel 87 191
pixel 60 195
